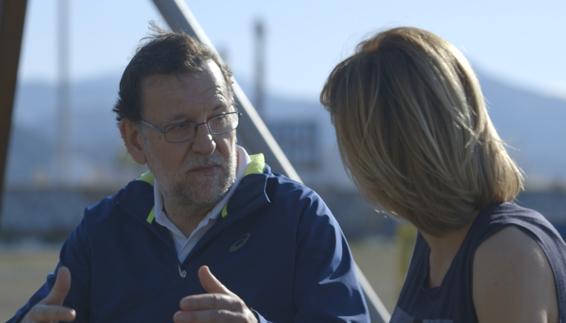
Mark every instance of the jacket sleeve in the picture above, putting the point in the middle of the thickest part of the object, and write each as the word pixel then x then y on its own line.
pixel 75 255
pixel 326 288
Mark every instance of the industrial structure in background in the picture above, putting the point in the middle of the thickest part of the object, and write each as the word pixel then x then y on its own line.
pixel 259 94
pixel 62 121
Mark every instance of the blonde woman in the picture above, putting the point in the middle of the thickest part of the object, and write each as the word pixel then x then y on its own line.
pixel 415 135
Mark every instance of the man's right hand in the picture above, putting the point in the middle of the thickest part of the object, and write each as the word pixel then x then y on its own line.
pixel 50 308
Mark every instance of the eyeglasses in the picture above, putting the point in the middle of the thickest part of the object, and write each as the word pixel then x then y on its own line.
pixel 185 131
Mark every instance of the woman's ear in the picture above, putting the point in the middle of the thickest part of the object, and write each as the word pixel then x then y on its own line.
pixel 132 138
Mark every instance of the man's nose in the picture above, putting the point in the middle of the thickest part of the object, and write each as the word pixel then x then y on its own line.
pixel 203 143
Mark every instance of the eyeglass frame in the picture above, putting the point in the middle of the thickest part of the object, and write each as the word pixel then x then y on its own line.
pixel 167 128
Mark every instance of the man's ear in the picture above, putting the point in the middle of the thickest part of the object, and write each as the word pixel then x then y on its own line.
pixel 133 140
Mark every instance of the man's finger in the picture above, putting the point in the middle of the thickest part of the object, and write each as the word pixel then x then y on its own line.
pixel 60 288
pixel 203 302
pixel 210 283
pixel 208 316
pixel 44 312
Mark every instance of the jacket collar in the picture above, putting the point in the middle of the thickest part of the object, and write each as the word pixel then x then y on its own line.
pixel 137 197
pixel 250 196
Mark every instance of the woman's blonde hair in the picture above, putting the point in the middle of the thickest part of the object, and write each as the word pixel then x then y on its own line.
pixel 414 132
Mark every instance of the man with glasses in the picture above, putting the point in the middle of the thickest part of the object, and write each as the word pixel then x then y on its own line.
pixel 147 253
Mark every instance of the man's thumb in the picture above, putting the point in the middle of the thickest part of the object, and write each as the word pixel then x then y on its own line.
pixel 210 283
pixel 60 288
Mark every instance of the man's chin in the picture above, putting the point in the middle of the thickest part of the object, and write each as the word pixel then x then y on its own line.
pixel 206 197
pixel 203 190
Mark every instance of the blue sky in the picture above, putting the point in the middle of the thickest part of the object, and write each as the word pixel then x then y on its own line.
pixel 521 41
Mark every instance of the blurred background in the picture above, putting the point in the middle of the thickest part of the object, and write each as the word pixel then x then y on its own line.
pixel 65 152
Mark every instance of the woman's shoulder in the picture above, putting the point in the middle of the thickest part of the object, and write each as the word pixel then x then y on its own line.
pixel 508 211
pixel 512 279
pixel 492 219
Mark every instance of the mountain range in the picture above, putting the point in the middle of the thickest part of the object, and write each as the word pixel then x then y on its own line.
pixel 531 123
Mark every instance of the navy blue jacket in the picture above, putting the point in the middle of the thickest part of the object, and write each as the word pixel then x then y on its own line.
pixel 278 247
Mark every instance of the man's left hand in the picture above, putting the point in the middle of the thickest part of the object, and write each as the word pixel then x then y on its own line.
pixel 219 304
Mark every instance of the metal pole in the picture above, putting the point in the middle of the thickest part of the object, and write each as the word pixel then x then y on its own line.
pixel 12 18
pixel 253 133
pixel 259 63
pixel 63 106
